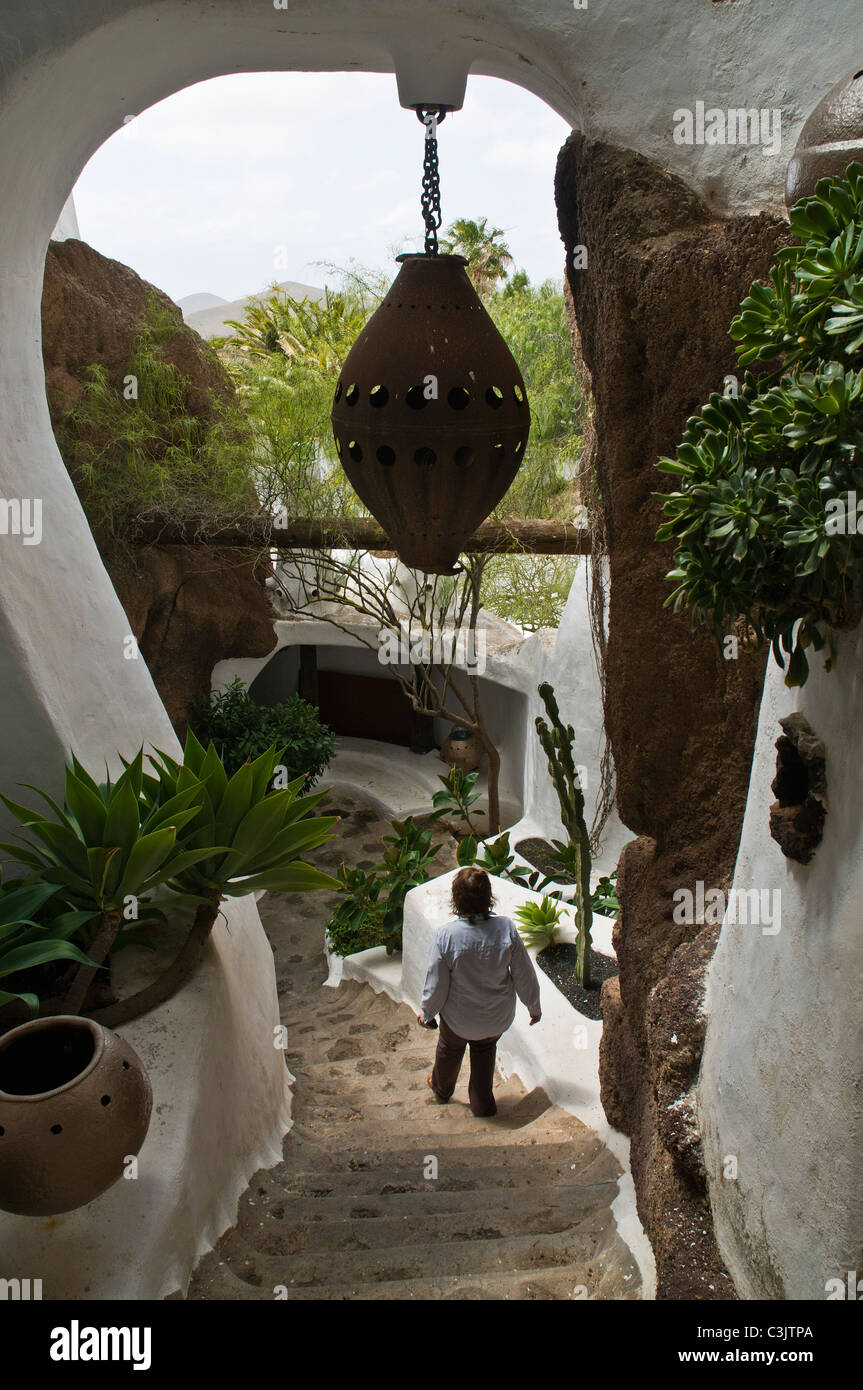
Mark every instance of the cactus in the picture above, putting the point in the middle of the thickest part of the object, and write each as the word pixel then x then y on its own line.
pixel 557 741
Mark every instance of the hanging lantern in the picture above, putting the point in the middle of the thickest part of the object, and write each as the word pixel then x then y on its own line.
pixel 430 415
pixel 831 139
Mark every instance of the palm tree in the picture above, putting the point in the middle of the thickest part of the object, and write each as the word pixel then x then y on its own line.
pixel 486 254
pixel 318 332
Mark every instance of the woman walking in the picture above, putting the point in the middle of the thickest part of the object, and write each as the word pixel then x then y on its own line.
pixel 477 965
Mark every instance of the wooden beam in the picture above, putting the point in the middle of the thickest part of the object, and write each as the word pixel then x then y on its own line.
pixel 529 537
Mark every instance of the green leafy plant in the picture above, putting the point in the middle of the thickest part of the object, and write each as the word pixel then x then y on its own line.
pixel 357 921
pixel 108 848
pixel 372 909
pixel 459 794
pixel 604 899
pixel 242 729
pixel 25 942
pixel 764 524
pixel 557 741
pixel 538 921
pixel 497 859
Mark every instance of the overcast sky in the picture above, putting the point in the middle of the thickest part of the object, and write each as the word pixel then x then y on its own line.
pixel 242 180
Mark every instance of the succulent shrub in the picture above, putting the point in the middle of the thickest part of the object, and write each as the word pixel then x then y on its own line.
pixel 764 523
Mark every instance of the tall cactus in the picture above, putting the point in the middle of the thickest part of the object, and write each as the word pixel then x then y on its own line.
pixel 557 742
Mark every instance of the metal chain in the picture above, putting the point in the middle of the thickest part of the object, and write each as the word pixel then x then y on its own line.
pixel 431 116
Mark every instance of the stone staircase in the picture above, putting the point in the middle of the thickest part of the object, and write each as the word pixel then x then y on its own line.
pixel 383 1193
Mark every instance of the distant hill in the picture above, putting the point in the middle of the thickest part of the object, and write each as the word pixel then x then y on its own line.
pixel 193 303
pixel 208 314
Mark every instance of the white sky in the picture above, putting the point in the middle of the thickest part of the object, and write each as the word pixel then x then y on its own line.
pixel 201 191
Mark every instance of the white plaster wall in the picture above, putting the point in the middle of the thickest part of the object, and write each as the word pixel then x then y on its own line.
pixel 571 668
pixel 67 223
pixel 782 1074
pixel 619 72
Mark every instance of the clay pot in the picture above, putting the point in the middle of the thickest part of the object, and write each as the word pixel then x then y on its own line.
pixel 75 1101
pixel 463 750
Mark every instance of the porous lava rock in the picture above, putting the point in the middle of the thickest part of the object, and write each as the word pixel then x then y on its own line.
pixel 188 606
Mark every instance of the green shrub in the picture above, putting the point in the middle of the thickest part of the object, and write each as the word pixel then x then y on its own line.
pixel 372 909
pixel 765 476
pixel 604 899
pixel 242 729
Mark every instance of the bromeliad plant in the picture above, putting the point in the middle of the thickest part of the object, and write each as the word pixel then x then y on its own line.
pixel 765 523
pixel 496 857
pixel 538 921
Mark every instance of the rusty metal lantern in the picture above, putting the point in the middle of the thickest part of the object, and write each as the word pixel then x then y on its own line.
pixel 831 139
pixel 430 417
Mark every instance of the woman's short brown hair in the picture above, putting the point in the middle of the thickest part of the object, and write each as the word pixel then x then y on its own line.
pixel 471 894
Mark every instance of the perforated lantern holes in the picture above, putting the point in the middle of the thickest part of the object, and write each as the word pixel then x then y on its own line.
pixel 430 414
pixel 800 787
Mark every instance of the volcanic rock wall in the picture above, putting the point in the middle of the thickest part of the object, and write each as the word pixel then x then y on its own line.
pixel 663 278
pixel 188 606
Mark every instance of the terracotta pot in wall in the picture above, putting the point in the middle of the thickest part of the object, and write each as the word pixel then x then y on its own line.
pixel 75 1101
pixel 462 749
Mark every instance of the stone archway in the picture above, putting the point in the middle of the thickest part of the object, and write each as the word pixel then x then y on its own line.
pixel 68 82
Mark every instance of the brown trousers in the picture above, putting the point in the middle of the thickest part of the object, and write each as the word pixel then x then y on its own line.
pixel 448 1060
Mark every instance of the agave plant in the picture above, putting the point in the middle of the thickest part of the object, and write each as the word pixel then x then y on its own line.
pixel 243 838
pixel 109 849
pixel 26 942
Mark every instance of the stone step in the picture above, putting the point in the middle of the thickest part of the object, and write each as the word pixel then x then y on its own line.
pixel 547 1285
pixel 398 1151
pixel 274 1203
pixel 214 1280
pixel 581 1246
pixel 476 1176
pixel 300 1230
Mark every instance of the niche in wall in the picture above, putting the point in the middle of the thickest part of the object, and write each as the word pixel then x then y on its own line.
pixel 800 787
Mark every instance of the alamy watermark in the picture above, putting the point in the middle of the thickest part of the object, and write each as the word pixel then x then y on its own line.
pixel 417 646
pixel 739 125
pixel 21 516
pixel 844 515
pixel 748 906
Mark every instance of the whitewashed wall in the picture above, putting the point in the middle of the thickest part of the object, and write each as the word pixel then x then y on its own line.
pixel 782 1075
